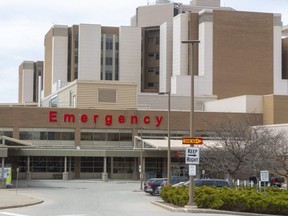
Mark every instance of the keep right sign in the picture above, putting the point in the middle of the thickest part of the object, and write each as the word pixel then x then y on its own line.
pixel 192 155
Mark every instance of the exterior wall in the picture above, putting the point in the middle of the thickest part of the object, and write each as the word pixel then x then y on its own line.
pixel 285 58
pixel 74 51
pixel 109 53
pixel 275 109
pixel 154 101
pixel 280 84
pixel 27 79
pixel 130 55
pixel 59 57
pixel 154 15
pixel 88 95
pixel 38 80
pixel 166 56
pixel 240 104
pixel 20 78
pixel 180 51
pixel 47 85
pixel 180 82
pixel 211 3
pixel 89 65
pixel 26 117
pixel 204 80
pixel 239 40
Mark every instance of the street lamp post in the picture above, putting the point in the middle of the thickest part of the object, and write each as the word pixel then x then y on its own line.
pixel 169 140
pixel 192 122
pixel 141 163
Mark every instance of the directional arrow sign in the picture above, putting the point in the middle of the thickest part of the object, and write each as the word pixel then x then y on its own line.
pixel 192 155
pixel 192 140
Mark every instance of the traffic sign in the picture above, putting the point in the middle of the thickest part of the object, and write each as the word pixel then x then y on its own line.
pixel 192 170
pixel 192 155
pixel 264 176
pixel 192 140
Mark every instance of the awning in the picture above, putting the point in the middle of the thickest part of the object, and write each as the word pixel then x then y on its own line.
pixel 162 144
pixel 14 143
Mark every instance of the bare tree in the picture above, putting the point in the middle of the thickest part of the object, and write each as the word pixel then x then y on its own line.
pixel 276 153
pixel 237 148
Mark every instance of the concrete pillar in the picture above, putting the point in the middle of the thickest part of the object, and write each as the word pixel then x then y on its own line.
pixel 65 173
pixel 28 173
pixel 70 172
pixel 112 167
pixel 3 180
pixel 135 174
pixel 144 173
pixel 105 174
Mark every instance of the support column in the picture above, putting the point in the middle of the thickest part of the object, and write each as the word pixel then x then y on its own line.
pixel 3 180
pixel 65 173
pixel 28 173
pixel 144 173
pixel 135 174
pixel 70 172
pixel 112 167
pixel 104 174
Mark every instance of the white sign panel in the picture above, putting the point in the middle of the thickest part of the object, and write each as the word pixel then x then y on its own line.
pixel 264 176
pixel 192 155
pixel 192 170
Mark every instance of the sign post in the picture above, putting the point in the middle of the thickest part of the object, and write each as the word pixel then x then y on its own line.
pixel 264 177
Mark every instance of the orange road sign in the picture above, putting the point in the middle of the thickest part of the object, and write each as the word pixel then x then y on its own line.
pixel 192 140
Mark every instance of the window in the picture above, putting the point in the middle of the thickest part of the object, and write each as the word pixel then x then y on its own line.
pixel 32 134
pixel 150 69
pixel 100 136
pixel 157 56
pixel 150 84
pixel 107 95
pixel 109 61
pixel 92 164
pixel 125 137
pixel 113 137
pixel 157 70
pixel 108 75
pixel 157 40
pixel 86 136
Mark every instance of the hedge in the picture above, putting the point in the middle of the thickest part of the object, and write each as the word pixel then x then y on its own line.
pixel 244 200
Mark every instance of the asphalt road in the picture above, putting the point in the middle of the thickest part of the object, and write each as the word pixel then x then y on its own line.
pixel 90 198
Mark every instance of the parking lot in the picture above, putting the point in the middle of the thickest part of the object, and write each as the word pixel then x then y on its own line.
pixel 88 197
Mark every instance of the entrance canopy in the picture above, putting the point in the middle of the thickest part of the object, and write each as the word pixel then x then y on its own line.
pixel 8 142
pixel 175 144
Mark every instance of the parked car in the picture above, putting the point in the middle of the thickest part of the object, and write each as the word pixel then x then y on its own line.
pixel 146 183
pixel 276 182
pixel 211 182
pixel 175 180
pixel 153 184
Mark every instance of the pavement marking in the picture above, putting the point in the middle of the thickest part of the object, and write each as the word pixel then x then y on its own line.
pixel 12 214
pixel 73 215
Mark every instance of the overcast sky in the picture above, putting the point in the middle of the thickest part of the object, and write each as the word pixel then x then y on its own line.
pixel 24 23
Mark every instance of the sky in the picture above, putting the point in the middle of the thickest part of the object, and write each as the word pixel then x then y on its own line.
pixel 24 23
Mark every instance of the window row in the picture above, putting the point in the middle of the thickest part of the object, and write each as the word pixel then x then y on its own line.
pixel 103 136
pixel 45 135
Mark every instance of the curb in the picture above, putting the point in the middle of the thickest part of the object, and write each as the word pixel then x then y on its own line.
pixel 21 205
pixel 173 208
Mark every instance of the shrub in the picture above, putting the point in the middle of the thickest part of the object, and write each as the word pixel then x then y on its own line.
pixel 246 200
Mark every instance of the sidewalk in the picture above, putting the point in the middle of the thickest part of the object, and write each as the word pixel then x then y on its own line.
pixel 10 198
